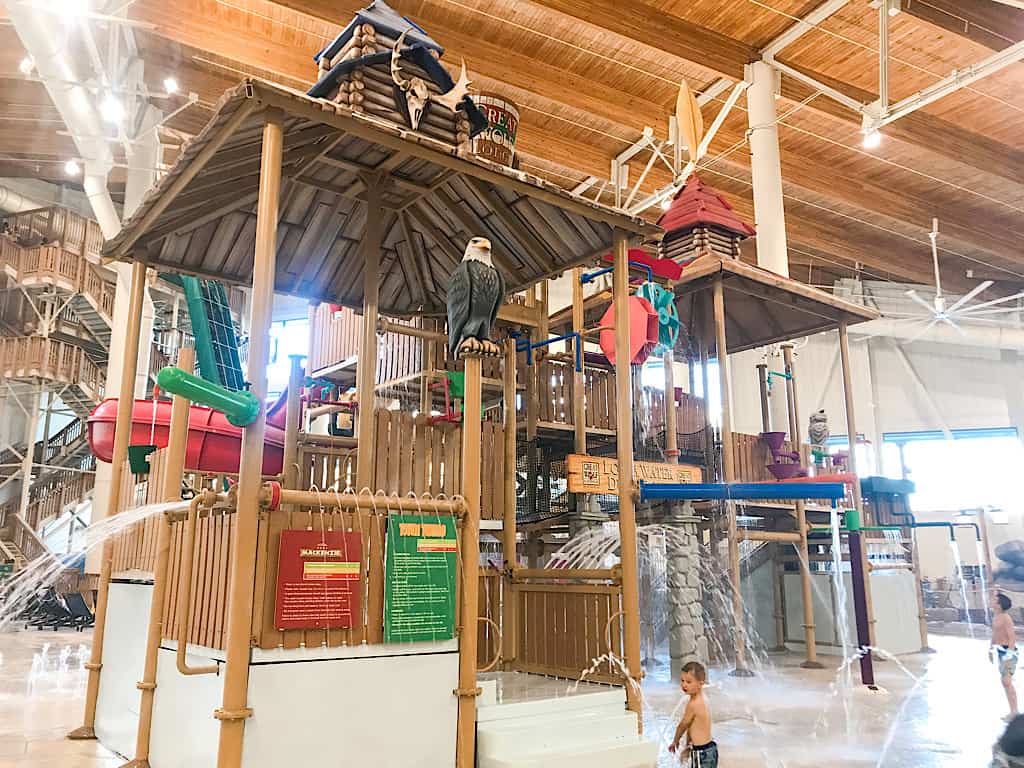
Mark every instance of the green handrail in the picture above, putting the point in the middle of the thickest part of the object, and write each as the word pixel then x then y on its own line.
pixel 241 408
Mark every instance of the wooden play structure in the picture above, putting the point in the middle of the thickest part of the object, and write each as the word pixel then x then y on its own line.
pixel 360 197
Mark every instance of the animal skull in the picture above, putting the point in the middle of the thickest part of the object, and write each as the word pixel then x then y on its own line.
pixel 417 94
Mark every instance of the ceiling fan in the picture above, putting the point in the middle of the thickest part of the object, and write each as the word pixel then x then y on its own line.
pixel 938 310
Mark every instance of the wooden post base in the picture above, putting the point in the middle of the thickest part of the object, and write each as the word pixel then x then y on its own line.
pixel 812 665
pixel 85 733
pixel 136 764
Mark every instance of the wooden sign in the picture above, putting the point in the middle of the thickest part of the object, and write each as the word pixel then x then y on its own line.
pixel 598 474
pixel 318 580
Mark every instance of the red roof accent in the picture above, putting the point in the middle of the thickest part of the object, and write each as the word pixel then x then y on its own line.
pixel 663 268
pixel 697 204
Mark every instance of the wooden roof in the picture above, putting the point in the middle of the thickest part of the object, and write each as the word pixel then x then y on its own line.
pixel 760 306
pixel 201 217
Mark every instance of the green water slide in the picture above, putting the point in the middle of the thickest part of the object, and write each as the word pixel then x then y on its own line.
pixel 214 332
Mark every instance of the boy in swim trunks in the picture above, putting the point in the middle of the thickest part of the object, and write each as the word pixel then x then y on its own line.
pixel 700 751
pixel 1004 647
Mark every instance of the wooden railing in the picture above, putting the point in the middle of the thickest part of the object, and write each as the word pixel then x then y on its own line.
pixel 333 337
pixel 412 456
pixel 59 226
pixel 555 395
pixel 53 496
pixel 60 267
pixel 32 356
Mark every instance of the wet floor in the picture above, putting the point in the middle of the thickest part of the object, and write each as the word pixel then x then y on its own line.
pixel 943 711
pixel 42 693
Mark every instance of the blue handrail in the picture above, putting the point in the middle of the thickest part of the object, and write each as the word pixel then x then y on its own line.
pixel 586 277
pixel 526 346
pixel 725 491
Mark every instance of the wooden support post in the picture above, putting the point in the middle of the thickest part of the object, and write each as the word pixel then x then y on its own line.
pixel 296 377
pixel 729 476
pixel 851 441
pixel 579 407
pixel 922 617
pixel 235 712
pixel 468 690
pixel 366 372
pixel 778 612
pixel 122 431
pixel 811 662
pixel 366 376
pixel 429 364
pixel 532 417
pixel 171 491
pixel 508 530
pixel 709 438
pixel 624 449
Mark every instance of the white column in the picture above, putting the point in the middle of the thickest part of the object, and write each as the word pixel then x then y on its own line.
pixel 766 169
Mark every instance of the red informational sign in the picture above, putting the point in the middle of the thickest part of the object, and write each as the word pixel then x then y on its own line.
pixel 318 580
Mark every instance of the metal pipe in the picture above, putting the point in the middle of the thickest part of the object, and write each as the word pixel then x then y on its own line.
pixel 777 536
pixel 292 419
pixel 528 347
pixel 624 450
pixel 468 691
pixel 185 587
pixel 272 497
pixel 762 385
pixel 122 429
pixel 587 277
pixel 174 468
pixel 235 711
pixel 977 530
pixel 952 531
pixel 740 491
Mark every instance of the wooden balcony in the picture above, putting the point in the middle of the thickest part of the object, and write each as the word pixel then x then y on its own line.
pixel 35 357
pixel 56 226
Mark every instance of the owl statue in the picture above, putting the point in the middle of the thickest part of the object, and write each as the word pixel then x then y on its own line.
pixel 817 430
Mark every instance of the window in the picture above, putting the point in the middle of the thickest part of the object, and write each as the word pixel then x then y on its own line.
pixel 287 337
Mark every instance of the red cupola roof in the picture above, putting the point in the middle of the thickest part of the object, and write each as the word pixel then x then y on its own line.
pixel 696 204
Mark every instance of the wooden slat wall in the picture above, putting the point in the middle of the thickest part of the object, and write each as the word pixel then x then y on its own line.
pixel 412 457
pixel 561 628
pixel 334 338
pixel 554 380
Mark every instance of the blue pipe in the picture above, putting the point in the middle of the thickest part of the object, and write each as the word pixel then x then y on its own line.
pixel 586 277
pixel 977 530
pixel 723 491
pixel 952 531
pixel 526 346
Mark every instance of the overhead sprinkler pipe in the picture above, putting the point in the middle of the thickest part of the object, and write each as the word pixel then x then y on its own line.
pixel 977 529
pixel 241 408
pixel 588 277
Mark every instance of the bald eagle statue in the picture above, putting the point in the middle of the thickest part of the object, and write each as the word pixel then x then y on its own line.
pixel 475 292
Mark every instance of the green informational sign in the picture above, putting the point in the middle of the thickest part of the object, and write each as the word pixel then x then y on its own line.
pixel 419 579
pixel 6 570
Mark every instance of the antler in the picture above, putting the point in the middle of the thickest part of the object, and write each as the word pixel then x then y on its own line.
pixel 396 63
pixel 457 93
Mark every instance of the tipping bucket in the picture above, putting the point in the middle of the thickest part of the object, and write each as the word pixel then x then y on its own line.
pixel 498 142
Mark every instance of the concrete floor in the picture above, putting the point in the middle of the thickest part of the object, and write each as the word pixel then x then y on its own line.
pixel 942 711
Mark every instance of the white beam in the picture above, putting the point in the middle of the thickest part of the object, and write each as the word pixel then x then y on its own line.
pixel 803 26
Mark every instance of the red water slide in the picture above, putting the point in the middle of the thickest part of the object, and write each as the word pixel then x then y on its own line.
pixel 213 444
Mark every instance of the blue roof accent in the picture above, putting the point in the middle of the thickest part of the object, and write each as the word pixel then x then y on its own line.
pixel 386 19
pixel 419 55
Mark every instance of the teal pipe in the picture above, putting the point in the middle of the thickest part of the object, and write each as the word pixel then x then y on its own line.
pixel 241 408
pixel 200 321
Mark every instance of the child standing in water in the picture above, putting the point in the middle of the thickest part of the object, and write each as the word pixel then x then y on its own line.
pixel 1004 644
pixel 700 751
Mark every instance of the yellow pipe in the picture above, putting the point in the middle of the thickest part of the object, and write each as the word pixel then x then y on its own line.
pixel 185 586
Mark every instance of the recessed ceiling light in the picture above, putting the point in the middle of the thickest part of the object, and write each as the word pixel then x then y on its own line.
pixel 872 139
pixel 27 65
pixel 666 203
pixel 72 168
pixel 170 85
pixel 112 109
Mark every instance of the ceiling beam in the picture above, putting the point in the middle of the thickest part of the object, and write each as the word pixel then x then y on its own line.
pixel 192 23
pixel 988 23
pixel 648 25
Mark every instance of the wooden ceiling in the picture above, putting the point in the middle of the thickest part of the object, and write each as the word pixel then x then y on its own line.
pixel 588 77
